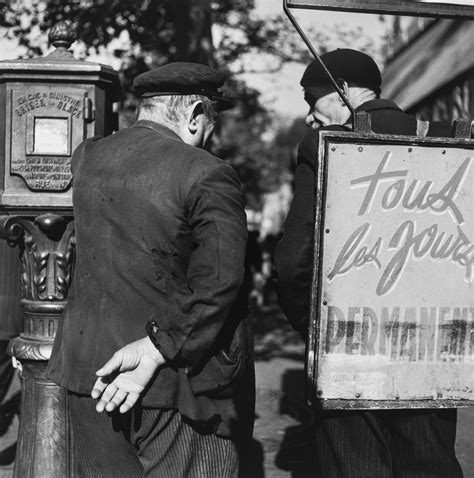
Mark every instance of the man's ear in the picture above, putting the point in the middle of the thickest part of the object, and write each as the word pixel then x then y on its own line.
pixel 343 86
pixel 196 111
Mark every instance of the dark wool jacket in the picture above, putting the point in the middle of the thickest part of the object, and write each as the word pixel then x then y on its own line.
pixel 294 252
pixel 161 235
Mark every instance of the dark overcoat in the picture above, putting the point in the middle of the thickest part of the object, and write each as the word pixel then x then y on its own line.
pixel 161 235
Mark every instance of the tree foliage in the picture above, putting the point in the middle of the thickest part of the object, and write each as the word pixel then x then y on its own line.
pixel 221 33
pixel 162 30
pixel 218 33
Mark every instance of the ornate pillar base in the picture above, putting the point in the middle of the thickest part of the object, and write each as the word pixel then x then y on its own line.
pixel 43 448
pixel 43 436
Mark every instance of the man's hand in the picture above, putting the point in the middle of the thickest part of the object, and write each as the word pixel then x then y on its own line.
pixel 124 377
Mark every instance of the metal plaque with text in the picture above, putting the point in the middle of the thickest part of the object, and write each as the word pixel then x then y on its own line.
pixel 46 126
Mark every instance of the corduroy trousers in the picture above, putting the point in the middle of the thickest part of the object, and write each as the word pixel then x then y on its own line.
pixel 385 444
pixel 144 442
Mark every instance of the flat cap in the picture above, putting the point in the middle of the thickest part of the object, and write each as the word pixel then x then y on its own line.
pixel 350 65
pixel 183 78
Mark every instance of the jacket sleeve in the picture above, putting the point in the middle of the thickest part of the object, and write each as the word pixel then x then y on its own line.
pixel 294 252
pixel 197 310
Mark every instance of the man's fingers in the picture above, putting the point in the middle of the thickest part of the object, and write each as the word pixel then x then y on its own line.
pixel 113 365
pixel 99 386
pixel 129 402
pixel 107 395
pixel 100 406
pixel 116 400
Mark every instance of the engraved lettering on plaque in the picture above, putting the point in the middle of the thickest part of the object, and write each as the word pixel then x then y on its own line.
pixel 45 173
pixel 45 118
pixel 28 103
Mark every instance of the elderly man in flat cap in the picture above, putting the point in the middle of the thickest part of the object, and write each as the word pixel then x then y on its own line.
pixel 154 325
pixel 359 444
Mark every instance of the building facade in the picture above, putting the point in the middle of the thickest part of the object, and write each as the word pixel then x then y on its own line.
pixel 430 70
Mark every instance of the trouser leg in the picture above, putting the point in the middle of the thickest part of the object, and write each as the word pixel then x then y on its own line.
pixel 99 441
pixel 422 443
pixel 169 446
pixel 386 443
pixel 350 444
pixel 144 442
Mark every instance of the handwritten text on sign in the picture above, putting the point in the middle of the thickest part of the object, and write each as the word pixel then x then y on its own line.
pixel 418 196
pixel 397 272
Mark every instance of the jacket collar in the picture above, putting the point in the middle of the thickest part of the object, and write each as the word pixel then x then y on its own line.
pixel 374 105
pixel 159 128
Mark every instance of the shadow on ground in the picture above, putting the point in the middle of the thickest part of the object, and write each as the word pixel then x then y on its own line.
pixel 276 341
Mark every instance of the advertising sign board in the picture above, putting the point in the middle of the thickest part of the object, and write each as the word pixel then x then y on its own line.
pixel 430 8
pixel 392 316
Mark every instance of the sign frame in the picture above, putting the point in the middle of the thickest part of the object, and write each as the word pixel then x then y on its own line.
pixel 426 8
pixel 315 396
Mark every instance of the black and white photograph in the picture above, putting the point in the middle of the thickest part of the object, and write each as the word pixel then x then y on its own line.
pixel 236 239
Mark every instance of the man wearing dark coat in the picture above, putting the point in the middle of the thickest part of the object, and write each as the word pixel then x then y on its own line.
pixel 359 444
pixel 154 325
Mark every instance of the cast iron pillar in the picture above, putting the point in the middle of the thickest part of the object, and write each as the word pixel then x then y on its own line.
pixel 48 106
pixel 47 251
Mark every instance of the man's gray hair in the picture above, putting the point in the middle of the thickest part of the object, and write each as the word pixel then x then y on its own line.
pixel 173 107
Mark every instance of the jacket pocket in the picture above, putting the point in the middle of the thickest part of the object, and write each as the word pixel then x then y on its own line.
pixel 221 376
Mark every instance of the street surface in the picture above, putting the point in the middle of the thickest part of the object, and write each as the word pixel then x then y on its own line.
pixel 282 436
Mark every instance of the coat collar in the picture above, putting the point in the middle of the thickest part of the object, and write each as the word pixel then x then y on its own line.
pixel 374 105
pixel 159 128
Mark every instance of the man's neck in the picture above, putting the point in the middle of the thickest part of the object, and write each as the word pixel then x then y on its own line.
pixel 159 119
pixel 359 96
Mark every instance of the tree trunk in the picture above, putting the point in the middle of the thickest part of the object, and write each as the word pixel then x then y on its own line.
pixel 193 22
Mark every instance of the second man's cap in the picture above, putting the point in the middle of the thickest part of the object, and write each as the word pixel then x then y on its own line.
pixel 350 65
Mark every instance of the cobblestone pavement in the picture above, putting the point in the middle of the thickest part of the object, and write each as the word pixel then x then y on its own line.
pixel 281 426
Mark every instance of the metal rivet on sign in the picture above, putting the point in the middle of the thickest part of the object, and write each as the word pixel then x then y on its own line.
pixel 325 302
pixel 327 231
pixel 319 392
pixel 333 148
pixel 357 395
pixel 410 150
pixel 443 152
pixel 360 149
